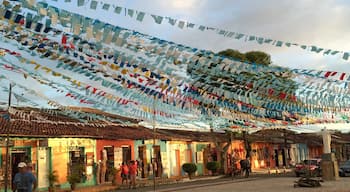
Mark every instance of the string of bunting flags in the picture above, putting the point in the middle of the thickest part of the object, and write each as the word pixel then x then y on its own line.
pixel 47 69
pixel 18 54
pixel 153 69
pixel 63 110
pixel 96 102
pixel 161 43
pixel 181 24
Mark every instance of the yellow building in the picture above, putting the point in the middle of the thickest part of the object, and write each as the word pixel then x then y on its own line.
pixel 70 152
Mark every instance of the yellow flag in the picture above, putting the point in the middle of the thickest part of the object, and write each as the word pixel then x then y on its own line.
pixel 124 71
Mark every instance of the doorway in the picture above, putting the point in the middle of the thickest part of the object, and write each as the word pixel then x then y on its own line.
pixel 276 158
pixel 126 153
pixel 110 162
pixel 158 161
pixel 143 161
pixel 18 155
pixel 77 162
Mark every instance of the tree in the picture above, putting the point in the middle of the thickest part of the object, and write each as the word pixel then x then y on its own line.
pixel 258 57
pixel 213 166
pixel 282 78
pixel 230 53
pixel 189 168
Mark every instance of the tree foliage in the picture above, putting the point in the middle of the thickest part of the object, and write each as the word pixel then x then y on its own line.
pixel 262 58
pixel 257 57
pixel 213 166
pixel 189 168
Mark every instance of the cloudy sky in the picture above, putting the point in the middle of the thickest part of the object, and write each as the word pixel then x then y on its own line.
pixel 310 22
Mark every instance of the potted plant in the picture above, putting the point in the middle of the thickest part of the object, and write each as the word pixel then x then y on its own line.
pixel 52 177
pixel 213 166
pixel 113 175
pixel 75 175
pixel 73 179
pixel 189 168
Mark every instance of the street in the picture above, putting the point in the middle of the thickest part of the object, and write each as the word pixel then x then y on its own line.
pixel 284 184
pixel 253 184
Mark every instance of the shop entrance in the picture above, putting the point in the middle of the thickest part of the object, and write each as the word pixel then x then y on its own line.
pixel 143 161
pixel 158 161
pixel 110 162
pixel 126 153
pixel 18 155
pixel 77 162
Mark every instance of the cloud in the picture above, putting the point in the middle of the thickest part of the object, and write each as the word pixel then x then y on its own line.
pixel 309 22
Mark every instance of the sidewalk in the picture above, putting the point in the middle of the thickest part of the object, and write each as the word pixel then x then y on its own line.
pixel 272 171
pixel 98 188
pixel 142 183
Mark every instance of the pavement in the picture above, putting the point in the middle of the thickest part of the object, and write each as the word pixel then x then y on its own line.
pixel 263 184
pixel 259 181
pixel 163 184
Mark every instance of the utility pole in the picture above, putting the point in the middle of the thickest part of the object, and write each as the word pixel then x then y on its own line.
pixel 8 140
pixel 154 143
pixel 233 167
pixel 286 155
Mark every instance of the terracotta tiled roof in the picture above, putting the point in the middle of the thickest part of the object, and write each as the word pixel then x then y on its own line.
pixel 99 112
pixel 24 128
pixel 48 123
pixel 192 135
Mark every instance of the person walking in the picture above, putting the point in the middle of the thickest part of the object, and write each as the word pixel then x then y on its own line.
pixel 133 172
pixel 245 166
pixel 24 180
pixel 124 172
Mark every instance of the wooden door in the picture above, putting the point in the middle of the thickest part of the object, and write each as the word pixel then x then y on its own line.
pixel 178 163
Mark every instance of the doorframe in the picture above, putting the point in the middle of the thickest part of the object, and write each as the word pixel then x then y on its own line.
pixel 27 150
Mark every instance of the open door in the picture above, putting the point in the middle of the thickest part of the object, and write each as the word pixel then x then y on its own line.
pixel 143 161
pixel 126 153
pixel 110 162
pixel 18 155
pixel 158 160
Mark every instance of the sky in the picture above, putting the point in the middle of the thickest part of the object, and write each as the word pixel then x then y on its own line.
pixel 310 22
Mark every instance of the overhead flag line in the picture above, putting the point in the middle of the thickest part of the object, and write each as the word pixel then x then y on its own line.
pixel 140 15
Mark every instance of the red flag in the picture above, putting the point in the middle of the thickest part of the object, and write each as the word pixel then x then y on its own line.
pixel 64 39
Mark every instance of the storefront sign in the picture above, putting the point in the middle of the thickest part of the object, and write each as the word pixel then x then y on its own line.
pixel 3 143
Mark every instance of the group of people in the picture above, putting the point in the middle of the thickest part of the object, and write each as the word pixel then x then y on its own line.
pixel 24 180
pixel 244 167
pixel 129 172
